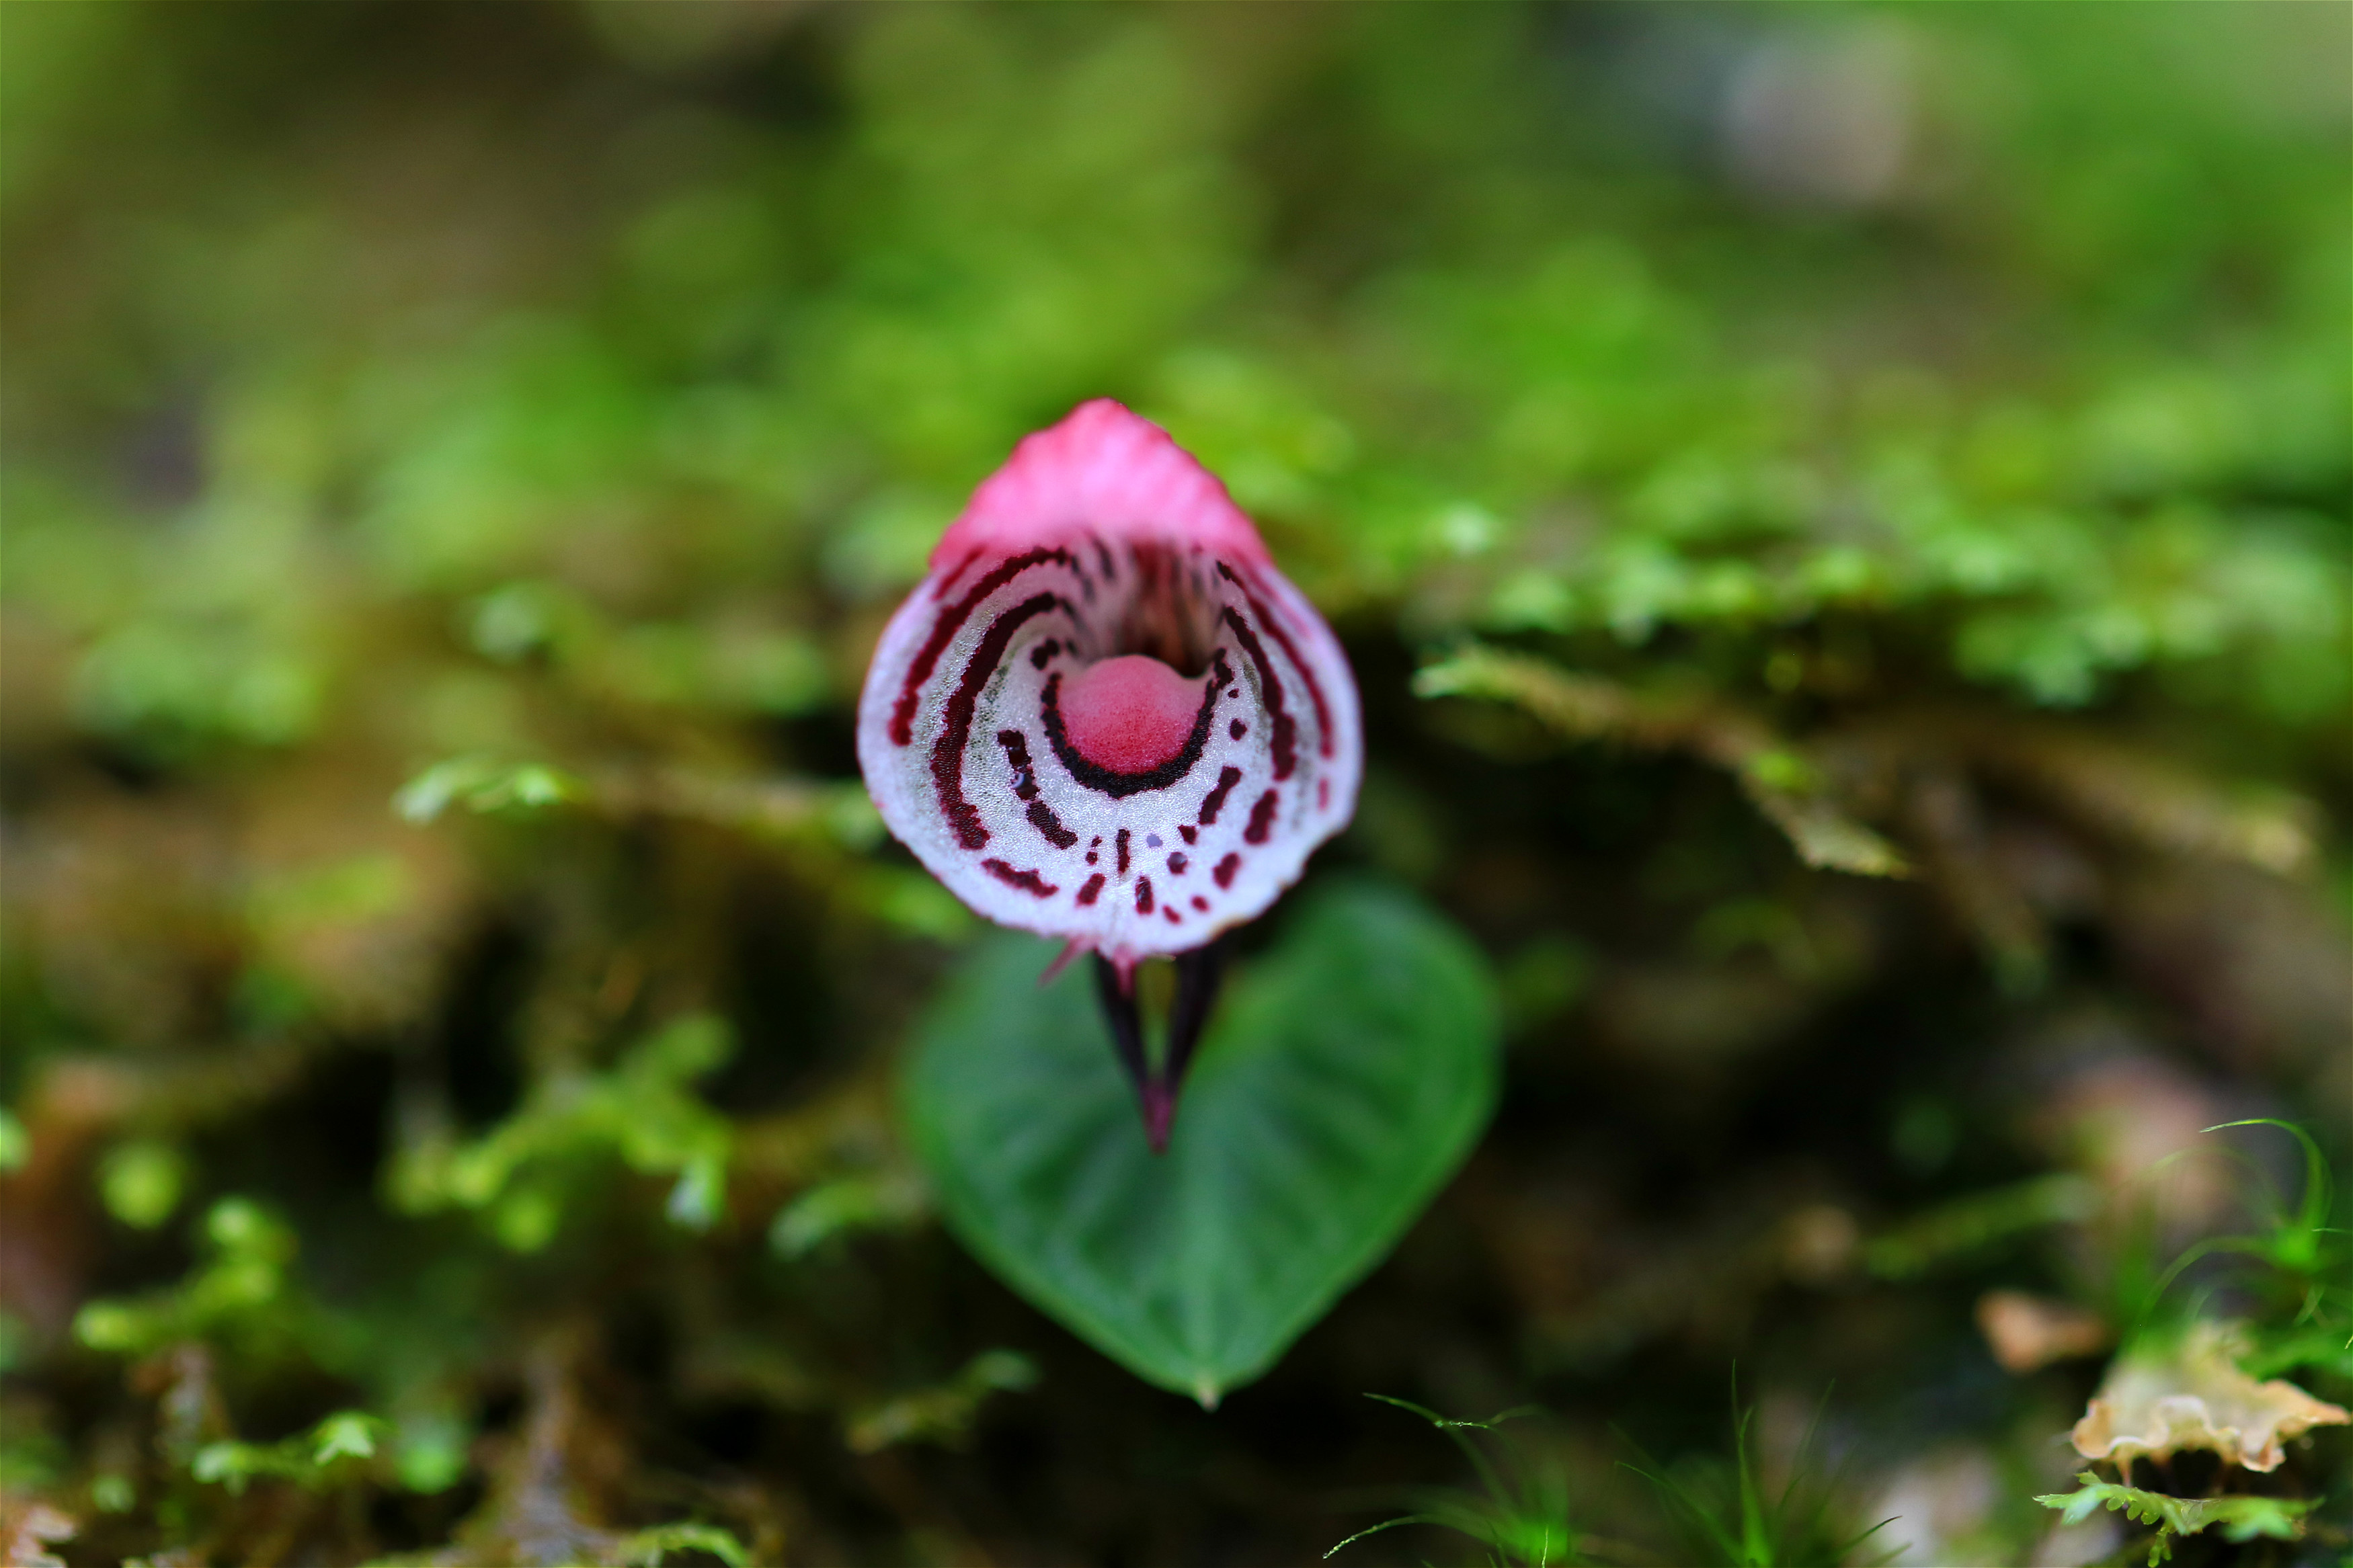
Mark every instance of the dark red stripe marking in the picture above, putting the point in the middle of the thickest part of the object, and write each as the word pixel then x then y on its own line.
pixel 1144 895
pixel 1262 818
pixel 1042 817
pixel 949 582
pixel 1286 729
pixel 1017 753
pixel 1226 869
pixel 1028 881
pixel 1120 844
pixel 1215 801
pixel 1025 786
pixel 1094 885
pixel 944 631
pixel 947 752
pixel 1306 671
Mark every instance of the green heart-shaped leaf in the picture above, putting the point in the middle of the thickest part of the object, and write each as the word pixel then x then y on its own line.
pixel 1343 1079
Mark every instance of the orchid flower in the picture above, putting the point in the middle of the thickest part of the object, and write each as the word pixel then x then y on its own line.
pixel 1104 716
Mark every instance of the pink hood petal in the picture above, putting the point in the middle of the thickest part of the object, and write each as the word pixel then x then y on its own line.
pixel 1104 470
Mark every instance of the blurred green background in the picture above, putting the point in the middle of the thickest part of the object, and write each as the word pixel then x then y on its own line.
pixel 1841 514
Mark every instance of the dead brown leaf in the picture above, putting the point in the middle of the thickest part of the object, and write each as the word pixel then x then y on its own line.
pixel 2029 1333
pixel 2153 1405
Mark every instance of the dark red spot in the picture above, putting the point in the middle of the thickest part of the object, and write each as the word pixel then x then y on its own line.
pixel 1286 729
pixel 1186 831
pixel 1044 652
pixel 1224 874
pixel 1322 793
pixel 1042 817
pixel 1170 911
pixel 1120 844
pixel 1028 881
pixel 1237 729
pixel 1094 885
pixel 1144 895
pixel 947 752
pixel 1200 903
pixel 944 631
pixel 1261 819
pixel 1215 801
pixel 1177 864
pixel 1091 856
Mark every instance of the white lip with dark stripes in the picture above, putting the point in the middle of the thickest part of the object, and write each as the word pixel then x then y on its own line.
pixel 1100 538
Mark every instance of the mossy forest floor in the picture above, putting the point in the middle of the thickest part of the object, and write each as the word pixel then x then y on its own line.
pixel 1839 515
